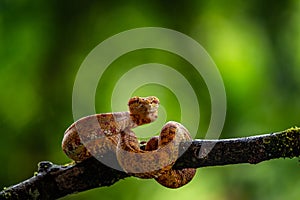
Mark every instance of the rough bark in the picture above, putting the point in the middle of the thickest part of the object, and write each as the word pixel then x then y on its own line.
pixel 55 181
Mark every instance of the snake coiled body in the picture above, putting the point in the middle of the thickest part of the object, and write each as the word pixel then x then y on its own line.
pixel 97 134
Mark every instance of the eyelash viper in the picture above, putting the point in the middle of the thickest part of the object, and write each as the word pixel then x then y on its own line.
pixel 105 132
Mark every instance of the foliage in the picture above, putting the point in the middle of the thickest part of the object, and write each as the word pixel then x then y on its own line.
pixel 255 45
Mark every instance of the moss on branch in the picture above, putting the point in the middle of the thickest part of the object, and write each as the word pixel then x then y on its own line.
pixel 55 181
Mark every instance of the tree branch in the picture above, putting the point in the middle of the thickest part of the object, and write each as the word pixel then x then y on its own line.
pixel 54 181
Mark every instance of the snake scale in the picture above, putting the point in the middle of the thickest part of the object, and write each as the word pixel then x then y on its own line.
pixel 105 132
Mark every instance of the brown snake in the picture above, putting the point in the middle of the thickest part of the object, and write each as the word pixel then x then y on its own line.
pixel 101 133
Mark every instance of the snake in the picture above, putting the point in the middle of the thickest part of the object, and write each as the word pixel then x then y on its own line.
pixel 98 134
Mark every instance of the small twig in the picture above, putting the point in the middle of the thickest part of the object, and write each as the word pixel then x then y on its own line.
pixel 55 181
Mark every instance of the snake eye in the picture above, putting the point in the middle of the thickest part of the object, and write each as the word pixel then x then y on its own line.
pixel 156 101
pixel 133 100
pixel 153 100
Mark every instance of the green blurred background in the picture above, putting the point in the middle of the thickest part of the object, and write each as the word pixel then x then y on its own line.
pixel 255 44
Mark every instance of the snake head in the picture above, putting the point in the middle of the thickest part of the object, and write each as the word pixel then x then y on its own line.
pixel 143 110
